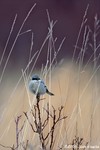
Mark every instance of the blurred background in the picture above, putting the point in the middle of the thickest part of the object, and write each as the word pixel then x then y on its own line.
pixel 68 13
pixel 75 86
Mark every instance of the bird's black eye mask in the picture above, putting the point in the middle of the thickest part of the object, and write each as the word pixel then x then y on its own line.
pixel 35 78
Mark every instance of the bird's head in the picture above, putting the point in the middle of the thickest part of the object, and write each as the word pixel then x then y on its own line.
pixel 35 77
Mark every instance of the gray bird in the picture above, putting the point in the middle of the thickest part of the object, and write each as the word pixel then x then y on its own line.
pixel 38 87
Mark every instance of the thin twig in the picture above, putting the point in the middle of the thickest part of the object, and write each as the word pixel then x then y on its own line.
pixel 8 147
pixel 25 113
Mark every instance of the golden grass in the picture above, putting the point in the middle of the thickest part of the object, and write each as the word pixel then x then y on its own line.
pixel 75 91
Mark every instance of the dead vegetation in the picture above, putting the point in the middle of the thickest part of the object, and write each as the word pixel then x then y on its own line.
pixel 39 126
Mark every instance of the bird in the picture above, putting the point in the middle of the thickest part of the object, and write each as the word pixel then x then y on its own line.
pixel 38 87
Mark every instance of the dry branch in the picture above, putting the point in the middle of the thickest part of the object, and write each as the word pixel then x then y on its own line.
pixel 41 124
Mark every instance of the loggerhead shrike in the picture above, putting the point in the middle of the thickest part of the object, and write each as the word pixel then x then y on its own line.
pixel 38 87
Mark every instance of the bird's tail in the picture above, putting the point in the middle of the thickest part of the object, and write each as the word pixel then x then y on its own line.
pixel 49 93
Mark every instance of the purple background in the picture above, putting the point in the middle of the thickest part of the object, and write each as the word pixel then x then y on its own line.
pixel 68 13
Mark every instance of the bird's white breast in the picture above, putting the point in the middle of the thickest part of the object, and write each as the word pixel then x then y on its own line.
pixel 37 87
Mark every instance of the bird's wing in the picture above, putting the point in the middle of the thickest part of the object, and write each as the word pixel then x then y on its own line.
pixel 44 84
